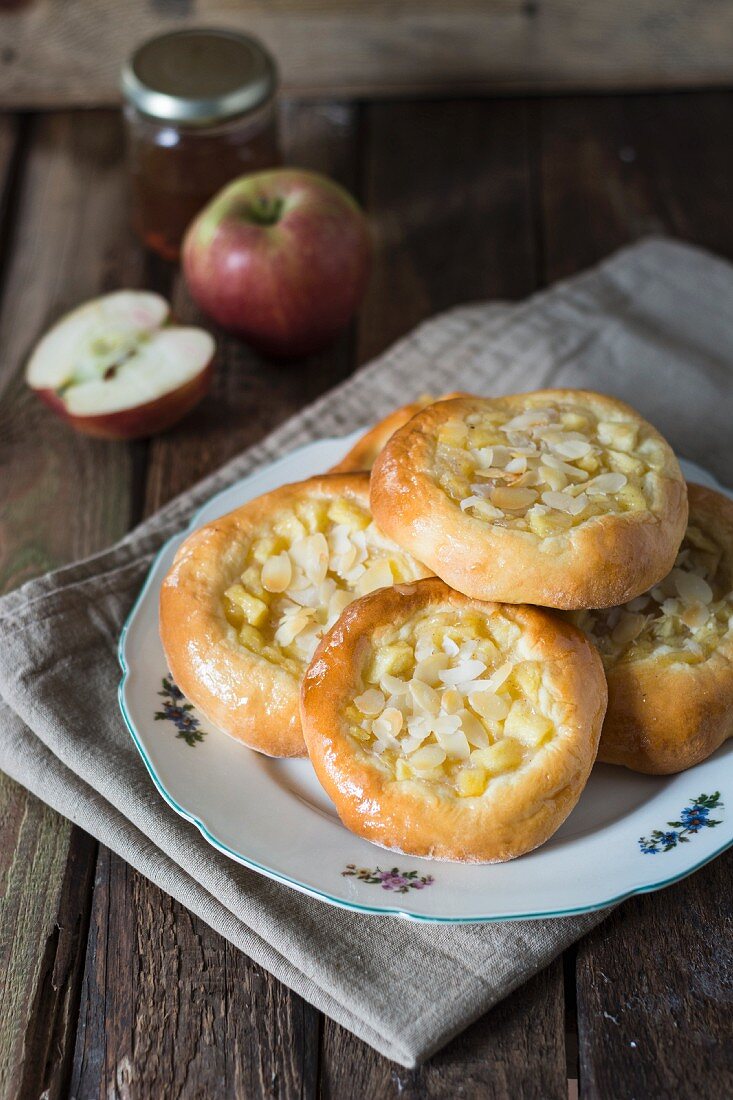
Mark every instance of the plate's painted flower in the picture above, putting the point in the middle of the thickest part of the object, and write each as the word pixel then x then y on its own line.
pixel 693 819
pixel 399 881
pixel 175 710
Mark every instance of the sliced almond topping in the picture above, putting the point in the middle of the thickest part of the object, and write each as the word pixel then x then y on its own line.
pixel 510 499
pixel 464 670
pixel 389 722
pixel 377 575
pixel 277 572
pixel 692 588
pixel 628 628
pixel 492 707
pixel 429 668
pixel 500 675
pixel 293 621
pixel 370 702
pixel 425 698
pixel 606 483
pixel 695 615
pixel 475 733
pixel 563 502
pixel 556 479
pixel 427 758
pixel 572 449
pixel 452 701
pixel 485 510
pixel 529 419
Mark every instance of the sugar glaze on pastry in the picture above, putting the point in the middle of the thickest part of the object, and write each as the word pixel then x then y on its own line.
pixel 564 498
pixel 446 727
pixel 668 653
pixel 250 595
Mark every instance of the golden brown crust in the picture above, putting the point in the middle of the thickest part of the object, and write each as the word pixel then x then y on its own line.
pixel 665 717
pixel 604 561
pixel 518 810
pixel 365 450
pixel 244 694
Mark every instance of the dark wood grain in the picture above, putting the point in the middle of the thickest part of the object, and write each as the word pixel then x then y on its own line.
pixel 236 1031
pixel 62 496
pixel 655 987
pixel 615 169
pixel 654 983
pixel 514 1051
pixel 449 193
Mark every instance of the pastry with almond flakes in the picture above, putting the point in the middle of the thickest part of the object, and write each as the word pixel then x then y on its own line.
pixel 446 727
pixel 249 596
pixel 668 653
pixel 564 498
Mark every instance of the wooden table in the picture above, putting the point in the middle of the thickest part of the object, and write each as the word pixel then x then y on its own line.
pixel 110 988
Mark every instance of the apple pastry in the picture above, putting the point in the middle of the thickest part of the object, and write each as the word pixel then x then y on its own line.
pixel 446 727
pixel 365 450
pixel 564 498
pixel 668 653
pixel 249 596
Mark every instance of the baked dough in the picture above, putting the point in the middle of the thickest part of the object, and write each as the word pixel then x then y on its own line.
pixel 249 596
pixel 445 727
pixel 668 654
pixel 365 450
pixel 564 498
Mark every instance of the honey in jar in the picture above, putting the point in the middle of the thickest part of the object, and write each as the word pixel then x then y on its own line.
pixel 200 109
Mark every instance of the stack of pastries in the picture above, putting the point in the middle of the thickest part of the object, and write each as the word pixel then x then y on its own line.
pixel 484 597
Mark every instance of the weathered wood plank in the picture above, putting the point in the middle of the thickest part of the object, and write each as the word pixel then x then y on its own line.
pixel 516 1050
pixel 61 496
pixel 448 190
pixel 59 52
pixel 654 994
pixel 654 981
pixel 236 1031
pixel 613 169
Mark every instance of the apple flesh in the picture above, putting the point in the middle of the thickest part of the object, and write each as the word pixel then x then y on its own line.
pixel 115 368
pixel 281 258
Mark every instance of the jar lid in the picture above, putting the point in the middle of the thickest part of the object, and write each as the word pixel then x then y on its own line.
pixel 199 77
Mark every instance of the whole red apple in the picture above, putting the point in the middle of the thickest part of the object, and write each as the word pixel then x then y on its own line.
pixel 281 258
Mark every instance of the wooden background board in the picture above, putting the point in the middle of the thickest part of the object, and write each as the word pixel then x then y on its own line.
pixel 56 53
pixel 112 989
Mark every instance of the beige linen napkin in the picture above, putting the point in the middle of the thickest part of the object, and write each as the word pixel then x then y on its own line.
pixel 654 325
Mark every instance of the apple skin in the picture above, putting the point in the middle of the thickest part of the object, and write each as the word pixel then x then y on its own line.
pixel 281 258
pixel 141 420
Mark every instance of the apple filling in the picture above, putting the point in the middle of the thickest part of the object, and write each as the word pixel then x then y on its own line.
pixel 453 700
pixel 682 619
pixel 548 468
pixel 301 573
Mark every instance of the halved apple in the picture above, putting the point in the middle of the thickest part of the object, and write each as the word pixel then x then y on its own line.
pixel 115 368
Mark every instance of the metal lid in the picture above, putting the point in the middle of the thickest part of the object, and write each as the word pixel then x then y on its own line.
pixel 199 77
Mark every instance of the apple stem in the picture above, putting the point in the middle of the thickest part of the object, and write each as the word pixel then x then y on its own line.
pixel 265 210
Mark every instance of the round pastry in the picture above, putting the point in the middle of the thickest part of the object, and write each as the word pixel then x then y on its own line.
pixel 668 654
pixel 249 596
pixel 564 498
pixel 446 727
pixel 365 450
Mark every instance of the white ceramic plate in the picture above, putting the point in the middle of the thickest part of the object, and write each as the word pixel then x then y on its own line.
pixel 273 816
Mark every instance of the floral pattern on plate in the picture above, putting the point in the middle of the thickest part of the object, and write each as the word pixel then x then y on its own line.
pixel 399 881
pixel 178 711
pixel 693 819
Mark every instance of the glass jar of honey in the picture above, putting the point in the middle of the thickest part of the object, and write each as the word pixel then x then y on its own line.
pixel 200 110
